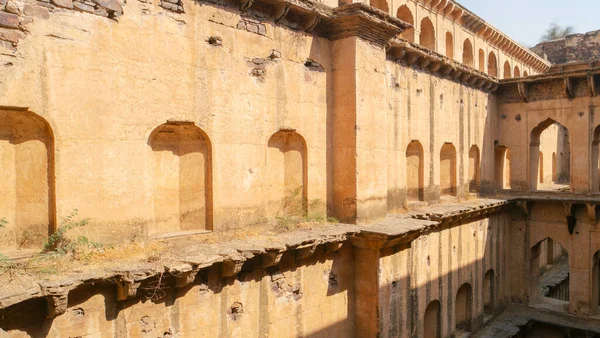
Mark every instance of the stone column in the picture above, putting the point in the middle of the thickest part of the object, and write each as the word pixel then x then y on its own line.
pixel 366 286
pixel 359 124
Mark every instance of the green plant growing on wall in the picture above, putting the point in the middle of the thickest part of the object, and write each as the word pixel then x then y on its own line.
pixel 60 243
pixel 3 222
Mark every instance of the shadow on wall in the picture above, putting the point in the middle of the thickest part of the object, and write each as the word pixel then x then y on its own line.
pixel 27 200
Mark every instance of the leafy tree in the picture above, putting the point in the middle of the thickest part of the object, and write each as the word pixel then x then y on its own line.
pixel 556 31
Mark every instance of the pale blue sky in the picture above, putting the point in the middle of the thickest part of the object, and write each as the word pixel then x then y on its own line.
pixel 526 20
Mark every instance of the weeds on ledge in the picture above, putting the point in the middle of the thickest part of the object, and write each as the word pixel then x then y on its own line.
pixel 297 210
pixel 59 243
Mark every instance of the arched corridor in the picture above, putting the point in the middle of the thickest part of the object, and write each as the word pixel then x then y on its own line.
pixel 550 173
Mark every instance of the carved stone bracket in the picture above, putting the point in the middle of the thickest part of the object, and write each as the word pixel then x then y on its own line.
pixel 592 214
pixel 56 304
pixel 310 23
pixel 270 258
pixel 524 207
pixel 245 4
pixel 306 252
pixel 280 11
pixel 569 87
pixel 231 268
pixel 333 247
pixel 185 278
pixel 126 289
pixel 522 86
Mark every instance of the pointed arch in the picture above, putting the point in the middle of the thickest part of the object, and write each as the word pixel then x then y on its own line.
pixel 463 308
pixel 427 36
pixel 448 170
pixel 525 74
pixel 517 72
pixel 26 179
pixel 549 136
pixel 181 158
pixel 481 60
pixel 406 15
pixel 492 65
pixel 449 45
pixel 414 171
pixel 287 174
pixel 468 53
pixel 507 74
pixel 474 169
pixel 432 321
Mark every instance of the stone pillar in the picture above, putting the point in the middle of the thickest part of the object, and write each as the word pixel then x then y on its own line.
pixel 366 286
pixel 359 129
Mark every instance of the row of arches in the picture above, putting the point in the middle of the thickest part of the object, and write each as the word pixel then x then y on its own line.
pixel 179 165
pixel 427 38
pixel 463 308
pixel 415 175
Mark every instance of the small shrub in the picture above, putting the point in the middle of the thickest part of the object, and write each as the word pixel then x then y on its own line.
pixel 59 243
pixel 3 222
pixel 333 220
pixel 286 222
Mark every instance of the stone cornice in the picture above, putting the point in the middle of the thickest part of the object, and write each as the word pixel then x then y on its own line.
pixel 357 19
pixel 417 56
pixel 361 20
pixel 470 21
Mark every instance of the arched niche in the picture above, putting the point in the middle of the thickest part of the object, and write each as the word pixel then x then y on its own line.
pixel 287 174
pixel 449 45
pixel 27 184
pixel 432 320
pixel 525 74
pixel 502 167
pixel 492 65
pixel 427 37
pixel 414 172
pixel 467 56
pixel 406 15
pixel 448 170
pixel 507 74
pixel 549 136
pixel 474 169
pixel 463 308
pixel 481 60
pixel 181 164
pixel 517 72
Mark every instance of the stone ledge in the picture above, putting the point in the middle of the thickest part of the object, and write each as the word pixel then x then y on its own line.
pixel 192 257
